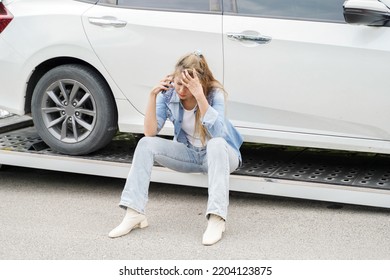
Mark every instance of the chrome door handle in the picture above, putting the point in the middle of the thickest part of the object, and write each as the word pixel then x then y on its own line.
pixel 259 39
pixel 107 21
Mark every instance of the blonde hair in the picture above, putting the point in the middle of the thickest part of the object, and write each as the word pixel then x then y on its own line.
pixel 196 61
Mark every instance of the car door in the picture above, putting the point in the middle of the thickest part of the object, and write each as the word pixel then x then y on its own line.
pixel 139 42
pixel 295 68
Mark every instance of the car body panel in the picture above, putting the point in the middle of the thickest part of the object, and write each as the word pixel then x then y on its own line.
pixel 29 51
pixel 10 60
pixel 142 52
pixel 312 78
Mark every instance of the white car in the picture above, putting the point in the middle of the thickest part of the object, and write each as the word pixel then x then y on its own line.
pixel 296 73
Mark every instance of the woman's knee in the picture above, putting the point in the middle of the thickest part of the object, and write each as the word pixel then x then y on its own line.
pixel 146 143
pixel 146 139
pixel 153 144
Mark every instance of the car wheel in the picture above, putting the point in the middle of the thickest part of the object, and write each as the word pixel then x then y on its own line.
pixel 73 110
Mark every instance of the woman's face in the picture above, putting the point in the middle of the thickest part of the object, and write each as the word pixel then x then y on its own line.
pixel 182 91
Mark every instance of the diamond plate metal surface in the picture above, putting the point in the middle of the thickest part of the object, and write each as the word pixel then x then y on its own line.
pixel 321 166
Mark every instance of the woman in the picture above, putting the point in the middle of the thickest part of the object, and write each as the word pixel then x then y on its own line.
pixel 204 141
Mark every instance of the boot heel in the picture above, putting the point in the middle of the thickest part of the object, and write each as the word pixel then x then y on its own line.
pixel 143 224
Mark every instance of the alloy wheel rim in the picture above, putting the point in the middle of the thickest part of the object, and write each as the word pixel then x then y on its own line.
pixel 69 111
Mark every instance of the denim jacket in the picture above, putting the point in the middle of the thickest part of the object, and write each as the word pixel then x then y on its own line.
pixel 168 106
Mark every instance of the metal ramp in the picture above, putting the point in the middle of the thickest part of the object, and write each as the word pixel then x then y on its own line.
pixel 326 175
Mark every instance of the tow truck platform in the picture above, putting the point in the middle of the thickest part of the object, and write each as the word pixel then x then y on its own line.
pixel 305 173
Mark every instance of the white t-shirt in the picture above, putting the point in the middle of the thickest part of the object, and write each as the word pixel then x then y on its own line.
pixel 188 125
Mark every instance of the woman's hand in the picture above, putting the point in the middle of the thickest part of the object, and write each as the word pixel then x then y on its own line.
pixel 195 87
pixel 163 85
pixel 193 84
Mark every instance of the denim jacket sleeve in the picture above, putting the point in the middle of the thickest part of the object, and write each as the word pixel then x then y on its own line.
pixel 217 124
pixel 214 118
pixel 161 111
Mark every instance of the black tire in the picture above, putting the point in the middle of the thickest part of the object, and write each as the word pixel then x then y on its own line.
pixel 73 110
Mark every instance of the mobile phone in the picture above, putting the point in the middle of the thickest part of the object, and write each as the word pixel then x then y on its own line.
pixel 164 91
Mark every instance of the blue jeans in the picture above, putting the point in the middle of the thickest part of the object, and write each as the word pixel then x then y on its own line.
pixel 218 159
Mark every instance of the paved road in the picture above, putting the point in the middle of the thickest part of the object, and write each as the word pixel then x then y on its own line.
pixel 53 215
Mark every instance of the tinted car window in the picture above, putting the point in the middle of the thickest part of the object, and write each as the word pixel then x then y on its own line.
pixel 189 5
pixel 321 10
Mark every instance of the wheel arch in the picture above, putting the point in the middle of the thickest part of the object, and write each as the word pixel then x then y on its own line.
pixel 49 64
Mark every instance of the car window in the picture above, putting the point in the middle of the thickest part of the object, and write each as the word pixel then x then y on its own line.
pixel 183 5
pixel 320 10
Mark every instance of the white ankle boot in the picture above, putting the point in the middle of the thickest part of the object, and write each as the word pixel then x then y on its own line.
pixel 215 228
pixel 132 219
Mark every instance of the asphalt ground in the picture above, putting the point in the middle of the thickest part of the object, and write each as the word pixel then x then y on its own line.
pixel 48 215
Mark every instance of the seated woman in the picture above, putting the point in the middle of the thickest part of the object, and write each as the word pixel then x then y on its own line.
pixel 204 141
